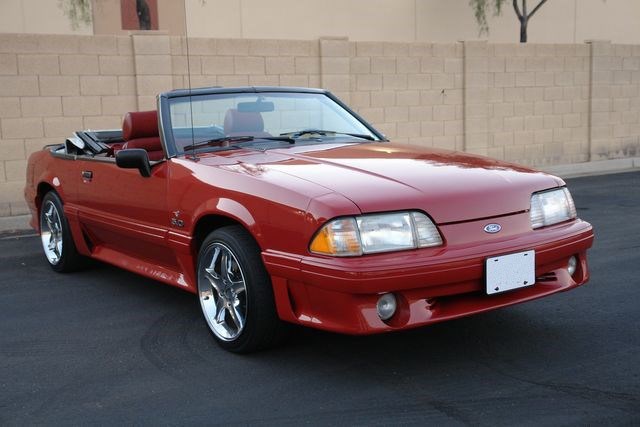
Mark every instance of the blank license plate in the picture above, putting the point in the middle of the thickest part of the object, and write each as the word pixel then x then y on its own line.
pixel 512 271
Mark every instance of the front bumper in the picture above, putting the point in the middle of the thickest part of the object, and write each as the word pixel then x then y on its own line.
pixel 431 285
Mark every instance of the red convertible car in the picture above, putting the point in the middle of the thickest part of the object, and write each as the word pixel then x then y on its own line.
pixel 281 205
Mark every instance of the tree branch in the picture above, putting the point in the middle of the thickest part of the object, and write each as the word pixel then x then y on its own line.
pixel 517 9
pixel 535 9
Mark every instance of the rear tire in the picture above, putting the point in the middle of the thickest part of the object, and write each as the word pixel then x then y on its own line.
pixel 55 234
pixel 235 292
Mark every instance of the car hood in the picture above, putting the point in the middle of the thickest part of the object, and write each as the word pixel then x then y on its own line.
pixel 450 186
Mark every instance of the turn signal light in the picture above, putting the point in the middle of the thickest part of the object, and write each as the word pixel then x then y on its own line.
pixel 339 238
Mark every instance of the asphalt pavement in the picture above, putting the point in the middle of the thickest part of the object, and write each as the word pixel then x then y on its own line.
pixel 107 347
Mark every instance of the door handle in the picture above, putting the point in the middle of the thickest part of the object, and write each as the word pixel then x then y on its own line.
pixel 87 175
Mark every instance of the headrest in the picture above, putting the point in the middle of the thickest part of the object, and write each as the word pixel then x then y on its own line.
pixel 239 121
pixel 141 124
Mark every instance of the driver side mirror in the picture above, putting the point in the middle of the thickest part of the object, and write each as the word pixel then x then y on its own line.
pixel 134 158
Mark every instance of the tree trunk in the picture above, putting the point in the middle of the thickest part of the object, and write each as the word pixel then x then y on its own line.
pixel 524 17
pixel 523 30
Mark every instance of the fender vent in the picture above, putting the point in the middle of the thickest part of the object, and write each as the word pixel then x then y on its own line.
pixel 88 241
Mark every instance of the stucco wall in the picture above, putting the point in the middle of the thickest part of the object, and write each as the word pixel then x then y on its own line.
pixel 37 16
pixel 435 21
pixel 538 104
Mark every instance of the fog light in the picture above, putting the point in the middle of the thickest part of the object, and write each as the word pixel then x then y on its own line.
pixel 572 265
pixel 386 306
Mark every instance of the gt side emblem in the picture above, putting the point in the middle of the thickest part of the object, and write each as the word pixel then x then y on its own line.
pixel 492 228
pixel 176 221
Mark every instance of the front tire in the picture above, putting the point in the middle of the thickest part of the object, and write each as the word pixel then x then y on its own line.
pixel 55 234
pixel 235 292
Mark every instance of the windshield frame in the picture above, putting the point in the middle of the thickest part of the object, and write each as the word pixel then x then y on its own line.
pixel 165 111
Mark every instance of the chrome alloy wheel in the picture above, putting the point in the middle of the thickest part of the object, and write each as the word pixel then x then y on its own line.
pixel 222 292
pixel 51 232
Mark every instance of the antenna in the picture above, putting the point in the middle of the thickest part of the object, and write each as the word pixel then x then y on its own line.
pixel 193 139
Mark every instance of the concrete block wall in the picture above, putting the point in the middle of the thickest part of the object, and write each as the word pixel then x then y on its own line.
pixel 412 92
pixel 614 101
pixel 533 104
pixel 241 62
pixel 527 103
pixel 52 85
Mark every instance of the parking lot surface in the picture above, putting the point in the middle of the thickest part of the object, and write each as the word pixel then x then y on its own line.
pixel 104 346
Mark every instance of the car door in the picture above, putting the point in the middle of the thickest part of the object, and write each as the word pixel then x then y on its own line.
pixel 125 213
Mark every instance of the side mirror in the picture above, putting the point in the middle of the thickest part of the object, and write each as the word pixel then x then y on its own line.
pixel 134 158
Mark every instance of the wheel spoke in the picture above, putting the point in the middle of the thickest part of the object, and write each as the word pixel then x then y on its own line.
pixel 213 281
pixel 210 272
pixel 237 287
pixel 59 248
pixel 55 218
pixel 224 266
pixel 214 259
pixel 220 311
pixel 48 219
pixel 237 317
pixel 56 251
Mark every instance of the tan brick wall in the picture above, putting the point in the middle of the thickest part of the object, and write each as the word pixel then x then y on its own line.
pixel 615 100
pixel 537 107
pixel 412 92
pixel 228 62
pixel 51 86
pixel 532 104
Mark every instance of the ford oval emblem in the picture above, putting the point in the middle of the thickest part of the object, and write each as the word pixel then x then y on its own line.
pixel 492 228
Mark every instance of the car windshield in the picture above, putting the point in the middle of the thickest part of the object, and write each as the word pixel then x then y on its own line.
pixel 271 119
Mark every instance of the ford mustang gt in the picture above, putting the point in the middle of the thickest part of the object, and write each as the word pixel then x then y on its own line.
pixel 281 205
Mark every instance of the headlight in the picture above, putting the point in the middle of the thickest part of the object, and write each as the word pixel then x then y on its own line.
pixel 551 207
pixel 367 234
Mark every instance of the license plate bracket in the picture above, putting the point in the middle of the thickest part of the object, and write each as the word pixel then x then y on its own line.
pixel 508 272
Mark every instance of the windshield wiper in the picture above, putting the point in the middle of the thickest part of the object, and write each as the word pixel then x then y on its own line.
pixel 235 140
pixel 278 138
pixel 298 134
pixel 218 141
